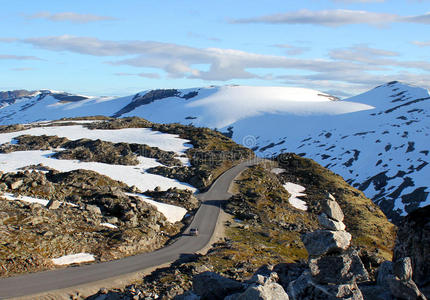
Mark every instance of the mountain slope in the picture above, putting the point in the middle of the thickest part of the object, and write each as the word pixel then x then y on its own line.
pixel 377 140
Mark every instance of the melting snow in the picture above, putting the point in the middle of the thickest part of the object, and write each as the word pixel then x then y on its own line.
pixel 171 212
pixel 73 259
pixel 296 191
pixel 44 202
pixel 109 225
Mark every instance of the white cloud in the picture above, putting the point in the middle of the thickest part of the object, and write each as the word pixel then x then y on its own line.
pixel 376 57
pixel 357 66
pixel 145 75
pixel 69 17
pixel 22 69
pixel 18 57
pixel 423 19
pixel 335 18
pixel 421 44
pixel 362 53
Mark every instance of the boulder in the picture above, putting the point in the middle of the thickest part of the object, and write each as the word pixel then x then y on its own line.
pixel 53 204
pixel 413 240
pixel 269 291
pixel 16 184
pixel 322 242
pixel 402 268
pixel 94 209
pixel 338 268
pixel 343 291
pixel 304 288
pixel 112 220
pixel 375 292
pixel 288 272
pixel 330 224
pixel 404 289
pixel 385 270
pixel 187 296
pixel 209 285
pixel 332 209
pixel 297 288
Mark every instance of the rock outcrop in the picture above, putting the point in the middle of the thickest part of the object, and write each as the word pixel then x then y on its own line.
pixel 412 250
pixel 334 269
pixel 209 285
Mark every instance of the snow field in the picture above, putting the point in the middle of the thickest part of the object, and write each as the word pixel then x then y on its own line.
pixel 130 175
pixel 164 141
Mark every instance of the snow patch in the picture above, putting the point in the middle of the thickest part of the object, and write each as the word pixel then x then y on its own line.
pixel 73 259
pixel 296 191
pixel 172 213
pixel 109 225
pixel 44 202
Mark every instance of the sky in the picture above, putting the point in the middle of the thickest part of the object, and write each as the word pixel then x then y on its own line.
pixel 109 47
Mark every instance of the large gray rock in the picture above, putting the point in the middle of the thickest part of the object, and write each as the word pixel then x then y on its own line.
pixel 404 289
pixel 288 272
pixel 297 288
pixel 330 224
pixel 402 268
pixel 385 271
pixel 304 288
pixel 269 291
pixel 187 296
pixel 338 268
pixel 375 292
pixel 209 285
pixel 343 291
pixel 322 242
pixel 332 209
pixel 413 240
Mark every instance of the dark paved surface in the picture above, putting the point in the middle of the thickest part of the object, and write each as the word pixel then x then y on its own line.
pixel 205 220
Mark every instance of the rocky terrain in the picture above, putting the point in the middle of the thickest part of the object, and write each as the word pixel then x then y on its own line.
pixel 334 270
pixel 86 212
pixel 263 251
pixel 46 213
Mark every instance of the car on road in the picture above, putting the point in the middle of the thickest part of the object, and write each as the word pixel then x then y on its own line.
pixel 194 231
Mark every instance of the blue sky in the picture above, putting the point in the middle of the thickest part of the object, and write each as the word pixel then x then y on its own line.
pixel 121 47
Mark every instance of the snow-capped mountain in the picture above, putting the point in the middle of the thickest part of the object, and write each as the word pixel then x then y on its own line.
pixel 378 140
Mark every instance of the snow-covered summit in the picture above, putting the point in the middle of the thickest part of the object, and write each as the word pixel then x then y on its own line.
pixel 398 93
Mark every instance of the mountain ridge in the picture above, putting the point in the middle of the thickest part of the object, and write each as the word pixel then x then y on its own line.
pixel 375 140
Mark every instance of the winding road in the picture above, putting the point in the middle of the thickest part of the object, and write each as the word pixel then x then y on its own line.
pixel 205 219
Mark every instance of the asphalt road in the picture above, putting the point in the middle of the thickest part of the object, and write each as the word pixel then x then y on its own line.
pixel 205 220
